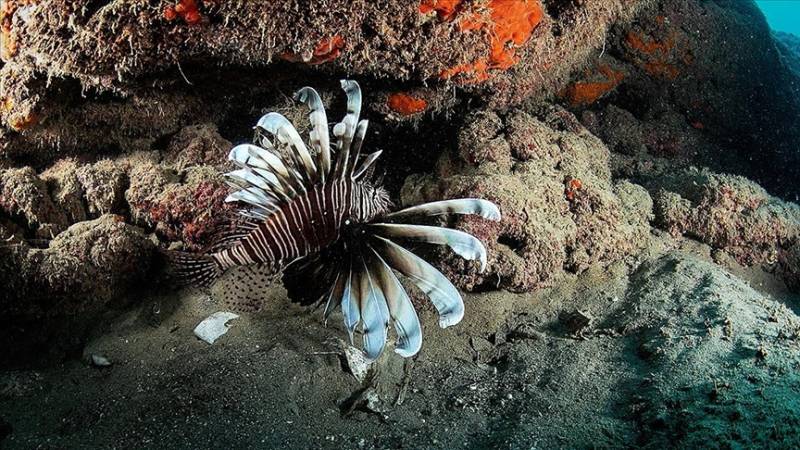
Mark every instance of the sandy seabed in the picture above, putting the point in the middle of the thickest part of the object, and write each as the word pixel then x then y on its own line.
pixel 668 348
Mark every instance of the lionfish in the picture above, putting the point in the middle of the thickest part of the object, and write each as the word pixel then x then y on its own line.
pixel 317 211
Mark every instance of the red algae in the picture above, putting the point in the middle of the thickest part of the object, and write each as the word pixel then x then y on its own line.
pixel 185 212
pixel 188 10
pixel 508 25
pixel 583 93
pixel 655 55
pixel 444 9
pixel 326 50
pixel 573 186
pixel 405 104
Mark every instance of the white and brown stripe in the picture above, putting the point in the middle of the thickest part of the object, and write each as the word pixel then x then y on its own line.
pixel 304 225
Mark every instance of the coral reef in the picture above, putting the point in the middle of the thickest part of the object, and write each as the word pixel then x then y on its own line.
pixel 174 199
pixel 733 214
pixel 85 267
pixel 689 76
pixel 189 211
pixel 197 145
pixel 615 136
pixel 551 179
pixel 159 54
pixel 24 195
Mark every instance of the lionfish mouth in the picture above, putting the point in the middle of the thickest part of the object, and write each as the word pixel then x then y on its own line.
pixel 312 213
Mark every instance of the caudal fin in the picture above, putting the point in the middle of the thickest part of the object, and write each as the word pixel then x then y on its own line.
pixel 194 269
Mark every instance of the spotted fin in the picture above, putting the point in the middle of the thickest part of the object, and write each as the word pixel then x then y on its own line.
pixel 246 288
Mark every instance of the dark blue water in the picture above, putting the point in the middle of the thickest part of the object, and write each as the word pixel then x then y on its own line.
pixel 782 15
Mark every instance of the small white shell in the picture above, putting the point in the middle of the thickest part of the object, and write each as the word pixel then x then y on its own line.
pixel 214 326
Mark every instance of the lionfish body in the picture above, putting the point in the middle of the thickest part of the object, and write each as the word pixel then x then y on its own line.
pixel 316 209
pixel 301 226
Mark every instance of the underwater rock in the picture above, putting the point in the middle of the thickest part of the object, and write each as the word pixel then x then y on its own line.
pixel 94 97
pixel 24 195
pixel 789 46
pixel 730 213
pixel 214 326
pixel 48 121
pixel 496 49
pixel 666 134
pixel 104 184
pixel 551 179
pixel 85 267
pixel 708 83
pixel 197 145
pixel 66 189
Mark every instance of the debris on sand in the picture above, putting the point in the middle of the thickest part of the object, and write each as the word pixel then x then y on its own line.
pixel 214 326
pixel 100 361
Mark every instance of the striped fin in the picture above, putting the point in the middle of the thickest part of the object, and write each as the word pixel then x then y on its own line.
pixel 259 179
pixel 282 189
pixel 255 214
pixel 191 268
pixel 335 294
pixel 319 137
pixel 368 162
pixel 350 302
pixel 464 244
pixel 374 313
pixel 267 165
pixel 358 141
pixel 483 208
pixel 286 133
pixel 248 155
pixel 253 197
pixel 345 130
pixel 404 316
pixel 228 233
pixel 244 178
pixel 437 287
